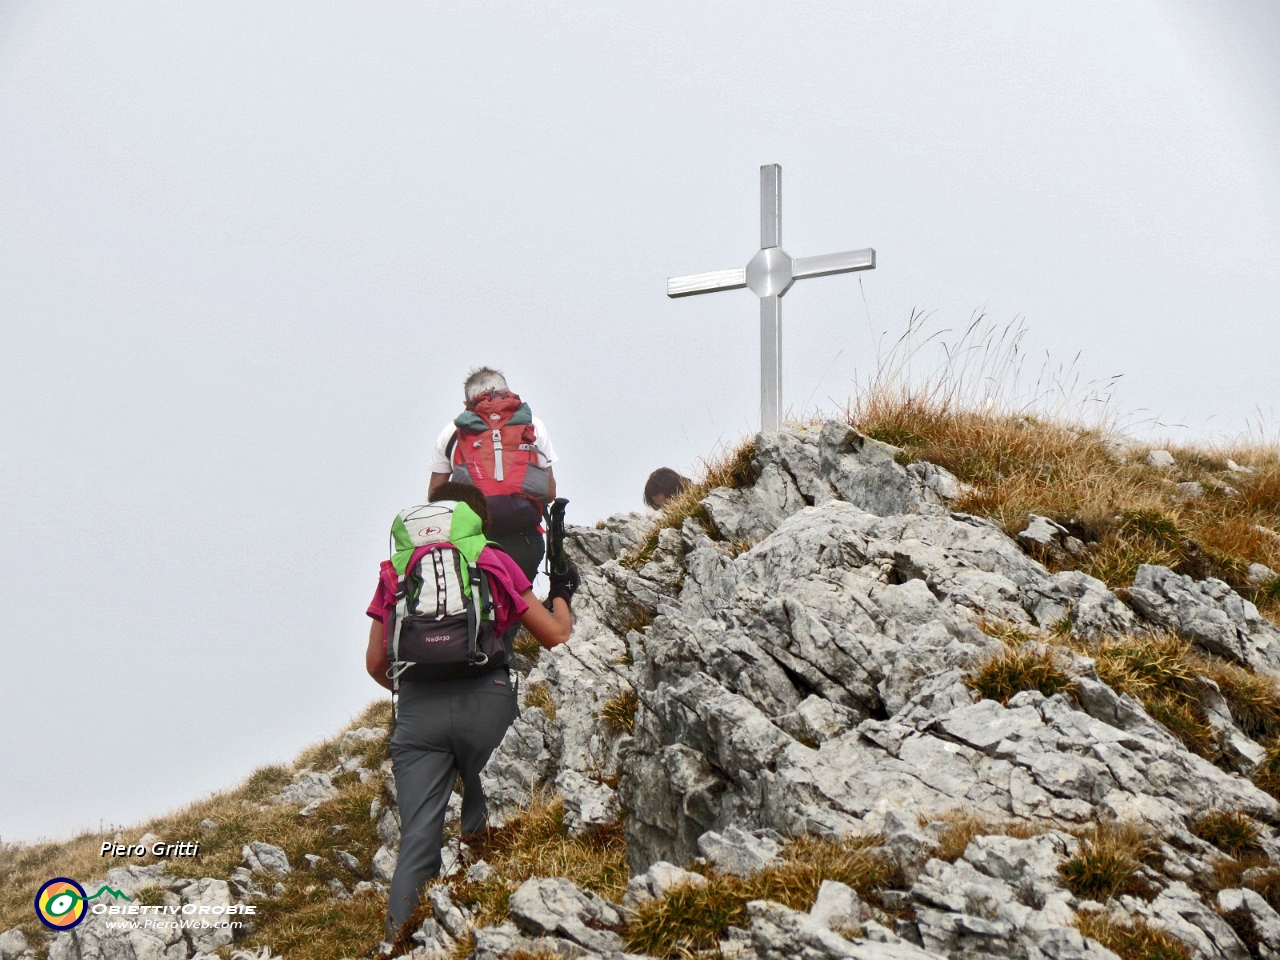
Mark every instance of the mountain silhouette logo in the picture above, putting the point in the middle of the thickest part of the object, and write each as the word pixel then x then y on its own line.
pixel 61 903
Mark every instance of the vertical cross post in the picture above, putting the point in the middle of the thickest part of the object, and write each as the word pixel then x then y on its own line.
pixel 769 274
pixel 770 306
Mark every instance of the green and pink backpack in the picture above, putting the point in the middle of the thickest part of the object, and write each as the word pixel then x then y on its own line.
pixel 442 626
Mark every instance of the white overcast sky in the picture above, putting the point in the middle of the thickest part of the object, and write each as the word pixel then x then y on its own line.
pixel 249 250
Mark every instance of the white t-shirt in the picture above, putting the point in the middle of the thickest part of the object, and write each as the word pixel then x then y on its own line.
pixel 439 462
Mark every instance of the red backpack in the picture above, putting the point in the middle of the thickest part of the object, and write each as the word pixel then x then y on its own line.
pixel 493 448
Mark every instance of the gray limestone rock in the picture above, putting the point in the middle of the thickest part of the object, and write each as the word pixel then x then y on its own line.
pixel 1260 573
pixel 1245 906
pixel 1188 490
pixel 497 942
pixel 355 740
pixel 1209 613
pixel 1042 532
pixel 1239 751
pixel 447 913
pixel 1029 866
pixel 308 788
pixel 479 872
pixel 384 864
pixel 838 907
pixel 503 941
pixel 558 907
pixel 962 911
pixel 389 827
pixel 587 803
pixel 266 858
pixel 780 933
pixel 738 852
pixel 1161 459
pixel 13 943
pixel 433 939
pixel 348 861
pixel 205 935
pixel 98 938
pixel 1186 917
pixel 540 905
pixel 658 881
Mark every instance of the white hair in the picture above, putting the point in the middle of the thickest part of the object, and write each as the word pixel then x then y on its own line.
pixel 482 380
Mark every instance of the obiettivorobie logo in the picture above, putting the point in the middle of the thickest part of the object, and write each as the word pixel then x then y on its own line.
pixel 62 903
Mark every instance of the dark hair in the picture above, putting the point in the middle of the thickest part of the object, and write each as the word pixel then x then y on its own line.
pixel 664 482
pixel 468 494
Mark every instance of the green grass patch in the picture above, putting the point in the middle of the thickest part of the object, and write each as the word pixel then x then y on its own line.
pixel 1231 831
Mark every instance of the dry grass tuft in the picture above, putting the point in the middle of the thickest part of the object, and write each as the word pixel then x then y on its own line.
pixel 1051 451
pixel 1012 671
pixel 633 616
pixel 289 925
pixel 1133 939
pixel 1164 674
pixel 1254 699
pixel 619 712
pixel 1267 776
pixel 960 827
pixel 1160 673
pixel 1231 831
pixel 148 897
pixel 734 469
pixel 1108 862
pixel 538 694
pixel 526 644
pixel 535 843
pixel 693 918
pixel 541 953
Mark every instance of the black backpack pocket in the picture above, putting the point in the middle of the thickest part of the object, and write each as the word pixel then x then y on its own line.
pixel 437 649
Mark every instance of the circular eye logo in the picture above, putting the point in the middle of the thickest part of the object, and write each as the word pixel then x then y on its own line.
pixel 60 904
pixel 430 532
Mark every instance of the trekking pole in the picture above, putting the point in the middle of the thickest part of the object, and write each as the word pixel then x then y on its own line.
pixel 557 558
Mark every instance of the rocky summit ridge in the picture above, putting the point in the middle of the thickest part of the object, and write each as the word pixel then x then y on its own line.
pixel 796 659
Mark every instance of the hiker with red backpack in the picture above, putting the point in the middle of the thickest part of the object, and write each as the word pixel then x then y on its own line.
pixel 498 445
pixel 443 613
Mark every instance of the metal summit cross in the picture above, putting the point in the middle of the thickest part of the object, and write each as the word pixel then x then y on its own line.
pixel 770 274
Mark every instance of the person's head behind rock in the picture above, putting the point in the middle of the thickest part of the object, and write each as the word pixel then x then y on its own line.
pixel 663 484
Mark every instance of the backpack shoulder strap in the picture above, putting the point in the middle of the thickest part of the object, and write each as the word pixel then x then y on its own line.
pixel 486 595
pixel 451 446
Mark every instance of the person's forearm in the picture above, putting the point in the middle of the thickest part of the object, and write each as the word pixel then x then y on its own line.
pixel 375 655
pixel 563 617
pixel 381 678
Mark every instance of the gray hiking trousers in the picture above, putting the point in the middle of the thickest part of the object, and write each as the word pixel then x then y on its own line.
pixel 443 729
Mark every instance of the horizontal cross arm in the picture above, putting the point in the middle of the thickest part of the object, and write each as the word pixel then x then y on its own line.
pixel 687 286
pixel 830 263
